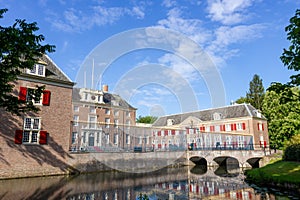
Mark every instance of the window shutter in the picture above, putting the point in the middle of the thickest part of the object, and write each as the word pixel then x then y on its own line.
pixel 43 137
pixel 258 126
pixel 166 132
pixel 158 133
pixel 22 93
pixel 18 136
pixel 46 97
pixel 244 126
pixel 262 126
pixel 173 132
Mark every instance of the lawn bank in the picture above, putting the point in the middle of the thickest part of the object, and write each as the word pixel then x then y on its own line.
pixel 281 174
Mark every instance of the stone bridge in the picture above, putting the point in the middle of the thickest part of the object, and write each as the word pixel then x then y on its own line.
pixel 244 158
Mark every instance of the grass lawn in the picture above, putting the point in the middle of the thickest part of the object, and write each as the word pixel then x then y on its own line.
pixel 279 172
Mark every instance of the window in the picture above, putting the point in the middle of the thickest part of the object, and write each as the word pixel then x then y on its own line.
pixel 127 122
pixel 74 137
pixel 107 111
pixel 241 126
pixel 107 138
pixel 116 138
pixel 76 108
pixel 127 139
pixel 32 133
pixel 107 122
pixel 260 126
pixel 140 140
pixel 92 109
pixel 116 113
pixel 92 122
pixel 228 127
pixel 127 114
pixel 217 116
pixel 116 122
pixel 37 69
pixel 75 120
pixel 27 95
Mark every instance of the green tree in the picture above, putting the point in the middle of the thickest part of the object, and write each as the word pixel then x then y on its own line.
pixel 291 56
pixel 281 106
pixel 20 49
pixel 256 93
pixel 146 119
pixel 242 100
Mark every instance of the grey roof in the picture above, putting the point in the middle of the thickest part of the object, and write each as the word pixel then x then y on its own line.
pixel 226 112
pixel 53 72
pixel 108 99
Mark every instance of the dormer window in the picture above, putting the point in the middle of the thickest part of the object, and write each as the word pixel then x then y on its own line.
pixel 217 116
pixel 38 70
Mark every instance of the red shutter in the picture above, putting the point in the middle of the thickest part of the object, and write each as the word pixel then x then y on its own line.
pixel 262 126
pixel 223 127
pixel 166 132
pixel 18 136
pixel 244 126
pixel 43 137
pixel 258 126
pixel 173 132
pixel 233 127
pixel 22 93
pixel 46 97
pixel 158 133
pixel 212 128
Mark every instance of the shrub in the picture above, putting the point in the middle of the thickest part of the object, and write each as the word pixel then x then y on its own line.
pixel 292 149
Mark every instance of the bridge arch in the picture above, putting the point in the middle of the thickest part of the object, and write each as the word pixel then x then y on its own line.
pixel 225 161
pixel 254 162
pixel 197 160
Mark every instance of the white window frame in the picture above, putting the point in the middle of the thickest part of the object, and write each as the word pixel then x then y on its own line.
pixel 93 109
pixel 127 138
pixel 28 99
pixel 36 70
pixel 116 123
pixel 75 120
pixel 31 133
pixel 92 123
pixel 227 127
pixel 107 111
pixel 107 122
pixel 76 108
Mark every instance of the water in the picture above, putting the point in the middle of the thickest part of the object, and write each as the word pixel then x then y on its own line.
pixel 169 183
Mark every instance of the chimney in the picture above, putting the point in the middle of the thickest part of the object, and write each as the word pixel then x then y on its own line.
pixel 105 88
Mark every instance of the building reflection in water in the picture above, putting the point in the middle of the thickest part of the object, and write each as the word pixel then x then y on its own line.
pixel 169 183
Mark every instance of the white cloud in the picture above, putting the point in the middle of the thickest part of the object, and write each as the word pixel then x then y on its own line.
pixel 180 66
pixel 190 27
pixel 75 20
pixel 228 11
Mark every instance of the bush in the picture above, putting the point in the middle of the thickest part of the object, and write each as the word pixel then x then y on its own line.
pixel 292 149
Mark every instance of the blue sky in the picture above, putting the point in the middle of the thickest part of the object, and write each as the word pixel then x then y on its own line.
pixel 240 37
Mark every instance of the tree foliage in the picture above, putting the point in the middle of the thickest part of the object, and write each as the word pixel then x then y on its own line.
pixel 20 49
pixel 291 56
pixel 281 106
pixel 256 93
pixel 146 119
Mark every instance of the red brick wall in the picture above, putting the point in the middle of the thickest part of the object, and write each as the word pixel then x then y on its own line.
pixel 30 160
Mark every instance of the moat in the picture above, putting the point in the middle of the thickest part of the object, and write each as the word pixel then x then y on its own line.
pixel 168 183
